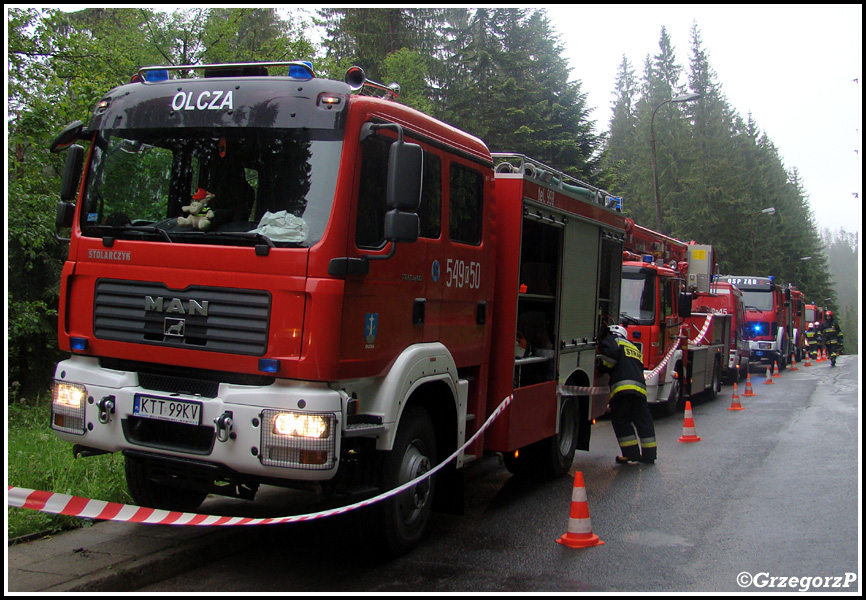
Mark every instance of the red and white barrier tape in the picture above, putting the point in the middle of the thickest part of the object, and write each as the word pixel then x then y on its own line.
pixel 573 390
pixel 75 506
pixel 703 331
pixel 670 353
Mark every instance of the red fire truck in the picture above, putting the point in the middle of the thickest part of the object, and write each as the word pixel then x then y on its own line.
pixel 814 313
pixel 369 287
pixel 727 299
pixel 798 324
pixel 684 351
pixel 767 319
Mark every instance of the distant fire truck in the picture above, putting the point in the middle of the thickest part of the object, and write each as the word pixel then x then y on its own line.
pixel 768 319
pixel 684 352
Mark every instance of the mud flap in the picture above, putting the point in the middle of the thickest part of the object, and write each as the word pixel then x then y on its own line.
pixel 450 496
pixel 584 424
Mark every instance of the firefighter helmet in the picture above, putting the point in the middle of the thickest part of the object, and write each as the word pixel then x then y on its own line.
pixel 619 330
pixel 829 314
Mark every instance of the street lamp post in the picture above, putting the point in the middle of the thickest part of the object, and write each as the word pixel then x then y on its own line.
pixel 766 211
pixel 802 259
pixel 681 98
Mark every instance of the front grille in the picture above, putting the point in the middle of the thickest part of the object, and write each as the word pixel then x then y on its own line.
pixel 202 318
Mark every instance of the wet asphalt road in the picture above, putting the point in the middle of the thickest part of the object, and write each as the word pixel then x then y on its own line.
pixel 771 491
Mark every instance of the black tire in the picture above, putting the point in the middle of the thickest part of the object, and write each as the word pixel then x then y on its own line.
pixel 716 382
pixel 397 524
pixel 551 457
pixel 146 492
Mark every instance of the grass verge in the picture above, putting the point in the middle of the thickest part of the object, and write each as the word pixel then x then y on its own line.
pixel 38 460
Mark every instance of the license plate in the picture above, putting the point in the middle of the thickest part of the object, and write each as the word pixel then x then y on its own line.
pixel 167 409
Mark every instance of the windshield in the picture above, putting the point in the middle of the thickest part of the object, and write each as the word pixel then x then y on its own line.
pixel 187 185
pixel 761 300
pixel 637 300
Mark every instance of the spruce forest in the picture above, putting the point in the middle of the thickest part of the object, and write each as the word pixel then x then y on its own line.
pixel 498 73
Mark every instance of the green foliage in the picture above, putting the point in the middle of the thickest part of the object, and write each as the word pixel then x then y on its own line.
pixel 60 64
pixel 31 442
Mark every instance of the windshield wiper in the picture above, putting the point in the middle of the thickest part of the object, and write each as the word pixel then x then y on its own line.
pixel 141 228
pixel 244 235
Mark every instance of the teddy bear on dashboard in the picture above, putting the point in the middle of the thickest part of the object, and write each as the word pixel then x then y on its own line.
pixel 200 215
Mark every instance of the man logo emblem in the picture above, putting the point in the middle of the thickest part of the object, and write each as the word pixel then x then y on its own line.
pixel 174 327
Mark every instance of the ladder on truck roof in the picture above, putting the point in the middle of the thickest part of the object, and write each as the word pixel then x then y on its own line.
pixel 506 163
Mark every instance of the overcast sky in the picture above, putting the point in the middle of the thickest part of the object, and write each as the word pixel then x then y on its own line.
pixel 795 67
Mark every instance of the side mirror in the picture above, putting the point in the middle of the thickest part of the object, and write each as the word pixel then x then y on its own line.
pixel 405 165
pixel 71 173
pixel 66 137
pixel 65 214
pixel 684 307
pixel 402 226
pixel 403 192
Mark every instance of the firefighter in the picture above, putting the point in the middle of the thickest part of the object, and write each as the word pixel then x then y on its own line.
pixel 830 334
pixel 628 406
pixel 812 339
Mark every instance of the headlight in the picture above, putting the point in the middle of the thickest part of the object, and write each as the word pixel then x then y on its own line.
pixel 69 394
pixel 301 425
pixel 298 440
pixel 67 407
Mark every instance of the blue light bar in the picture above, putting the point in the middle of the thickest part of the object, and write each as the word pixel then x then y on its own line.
pixel 153 76
pixel 78 343
pixel 648 258
pixel 269 365
pixel 300 72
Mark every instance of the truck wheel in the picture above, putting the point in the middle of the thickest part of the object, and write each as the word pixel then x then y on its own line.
pixel 551 457
pixel 716 382
pixel 398 523
pixel 149 493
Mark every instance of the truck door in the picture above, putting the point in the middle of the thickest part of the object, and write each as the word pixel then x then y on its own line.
pixel 462 273
pixel 396 304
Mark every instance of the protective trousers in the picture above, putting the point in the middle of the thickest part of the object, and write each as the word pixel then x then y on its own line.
pixel 630 412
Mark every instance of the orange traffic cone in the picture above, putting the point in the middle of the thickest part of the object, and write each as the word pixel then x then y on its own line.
pixel 689 426
pixel 807 363
pixel 793 362
pixel 820 355
pixel 776 371
pixel 749 391
pixel 735 400
pixel 768 378
pixel 579 533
